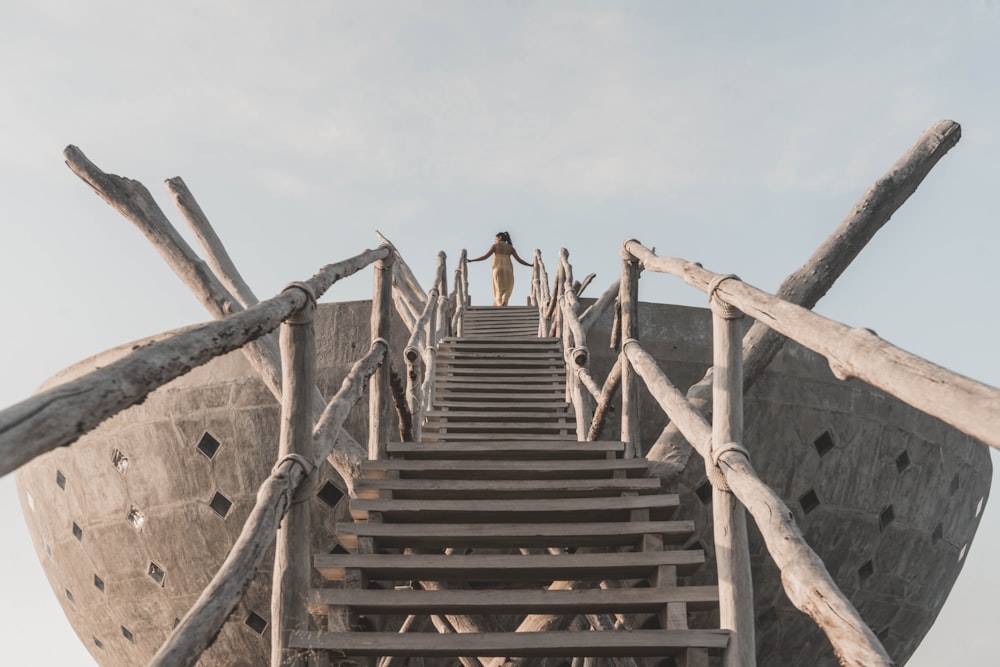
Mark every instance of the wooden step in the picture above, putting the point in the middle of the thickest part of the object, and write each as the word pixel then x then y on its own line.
pixel 521 413
pixel 507 488
pixel 496 470
pixel 516 601
pixel 523 450
pixel 509 644
pixel 542 403
pixel 511 535
pixel 570 434
pixel 509 568
pixel 561 510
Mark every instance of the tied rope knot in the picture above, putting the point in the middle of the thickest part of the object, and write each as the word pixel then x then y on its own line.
pixel 715 302
pixel 712 469
pixel 303 315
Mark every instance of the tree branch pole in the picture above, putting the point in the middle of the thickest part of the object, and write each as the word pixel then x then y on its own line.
pixel 807 285
pixel 629 299
pixel 601 305
pixel 291 577
pixel 604 403
pixel 729 520
pixel 215 251
pixel 413 356
pixel 199 627
pixel 403 278
pixel 133 201
pixel 806 580
pixel 378 385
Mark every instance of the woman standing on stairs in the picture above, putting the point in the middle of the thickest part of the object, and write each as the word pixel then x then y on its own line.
pixel 503 270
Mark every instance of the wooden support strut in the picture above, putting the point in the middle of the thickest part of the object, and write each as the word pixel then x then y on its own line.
pixel 378 392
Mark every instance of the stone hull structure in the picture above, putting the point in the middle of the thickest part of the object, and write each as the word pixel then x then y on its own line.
pixel 132 521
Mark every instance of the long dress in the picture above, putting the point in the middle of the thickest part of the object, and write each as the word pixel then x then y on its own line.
pixel 503 279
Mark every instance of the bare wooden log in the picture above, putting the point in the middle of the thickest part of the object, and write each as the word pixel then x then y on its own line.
pixel 215 251
pixel 807 285
pixel 133 201
pixel 293 563
pixel 805 578
pixel 58 416
pixel 378 385
pixel 403 278
pixel 413 356
pixel 589 384
pixel 404 418
pixel 585 283
pixel 629 300
pixel 604 403
pixel 732 553
pixel 599 307
pixel 970 406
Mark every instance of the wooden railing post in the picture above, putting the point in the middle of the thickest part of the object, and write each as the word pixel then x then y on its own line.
pixel 629 300
pixel 378 388
pixel 292 557
pixel 732 552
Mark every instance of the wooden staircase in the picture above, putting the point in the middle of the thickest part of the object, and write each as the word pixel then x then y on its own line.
pixel 495 513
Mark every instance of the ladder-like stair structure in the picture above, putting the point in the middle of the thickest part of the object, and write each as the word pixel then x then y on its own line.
pixel 492 516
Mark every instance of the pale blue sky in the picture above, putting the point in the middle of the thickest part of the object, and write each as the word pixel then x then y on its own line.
pixel 733 135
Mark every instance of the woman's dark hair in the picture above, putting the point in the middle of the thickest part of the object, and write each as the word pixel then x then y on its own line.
pixel 505 237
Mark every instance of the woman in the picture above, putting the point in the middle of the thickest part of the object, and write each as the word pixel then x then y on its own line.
pixel 503 271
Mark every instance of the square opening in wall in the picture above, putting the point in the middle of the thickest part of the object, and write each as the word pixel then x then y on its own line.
pixel 127 634
pixel 220 504
pixel 885 517
pixel 61 479
pixel 823 444
pixel 903 461
pixel 156 573
pixel 98 583
pixel 208 445
pixel 256 623
pixel 135 517
pixel 77 532
pixel 330 494
pixel 119 461
pixel 704 492
pixel 866 570
pixel 809 501
pixel 339 549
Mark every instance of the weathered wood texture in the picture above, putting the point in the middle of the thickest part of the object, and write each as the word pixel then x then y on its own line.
pixel 970 406
pixel 629 299
pixel 291 576
pixel 378 385
pixel 805 578
pixel 732 553
pixel 201 624
pixel 403 278
pixel 817 275
pixel 218 258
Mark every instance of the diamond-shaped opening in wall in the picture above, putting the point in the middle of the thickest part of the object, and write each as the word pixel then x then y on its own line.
pixel 61 479
pixel 330 494
pixel 135 517
pixel 98 643
pixel 866 570
pixel 885 517
pixel 955 485
pixel 809 501
pixel 77 531
pixel 339 549
pixel 69 596
pixel 98 583
pixel 937 534
pixel 704 492
pixel 208 445
pixel 256 623
pixel 902 461
pixel 156 573
pixel 127 634
pixel 220 504
pixel 119 461
pixel 823 444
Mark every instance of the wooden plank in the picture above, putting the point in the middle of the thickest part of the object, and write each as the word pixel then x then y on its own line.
pixel 518 601
pixel 500 415
pixel 547 369
pixel 514 425
pixel 525 450
pixel 493 437
pixel 532 568
pixel 539 403
pixel 505 644
pixel 580 510
pixel 474 469
pixel 471 535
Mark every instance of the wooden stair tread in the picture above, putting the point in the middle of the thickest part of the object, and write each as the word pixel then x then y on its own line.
pixel 520 601
pixel 507 488
pixel 526 449
pixel 579 510
pixel 435 535
pixel 470 469
pixel 508 644
pixel 509 567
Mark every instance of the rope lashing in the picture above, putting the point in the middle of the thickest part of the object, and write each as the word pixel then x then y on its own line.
pixel 303 315
pixel 305 489
pixel 718 306
pixel 714 472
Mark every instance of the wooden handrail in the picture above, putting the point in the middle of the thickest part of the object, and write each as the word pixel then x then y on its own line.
pixel 970 406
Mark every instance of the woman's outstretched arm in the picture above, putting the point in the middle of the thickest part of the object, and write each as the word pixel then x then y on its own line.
pixel 479 259
pixel 517 257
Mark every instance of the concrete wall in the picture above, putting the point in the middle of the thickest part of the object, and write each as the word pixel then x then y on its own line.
pixel 890 498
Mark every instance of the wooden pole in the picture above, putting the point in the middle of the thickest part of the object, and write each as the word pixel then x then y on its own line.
pixel 378 397
pixel 732 552
pixel 805 578
pixel 403 278
pixel 601 305
pixel 199 627
pixel 608 391
pixel 629 299
pixel 292 557
pixel 818 274
pixel 970 406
